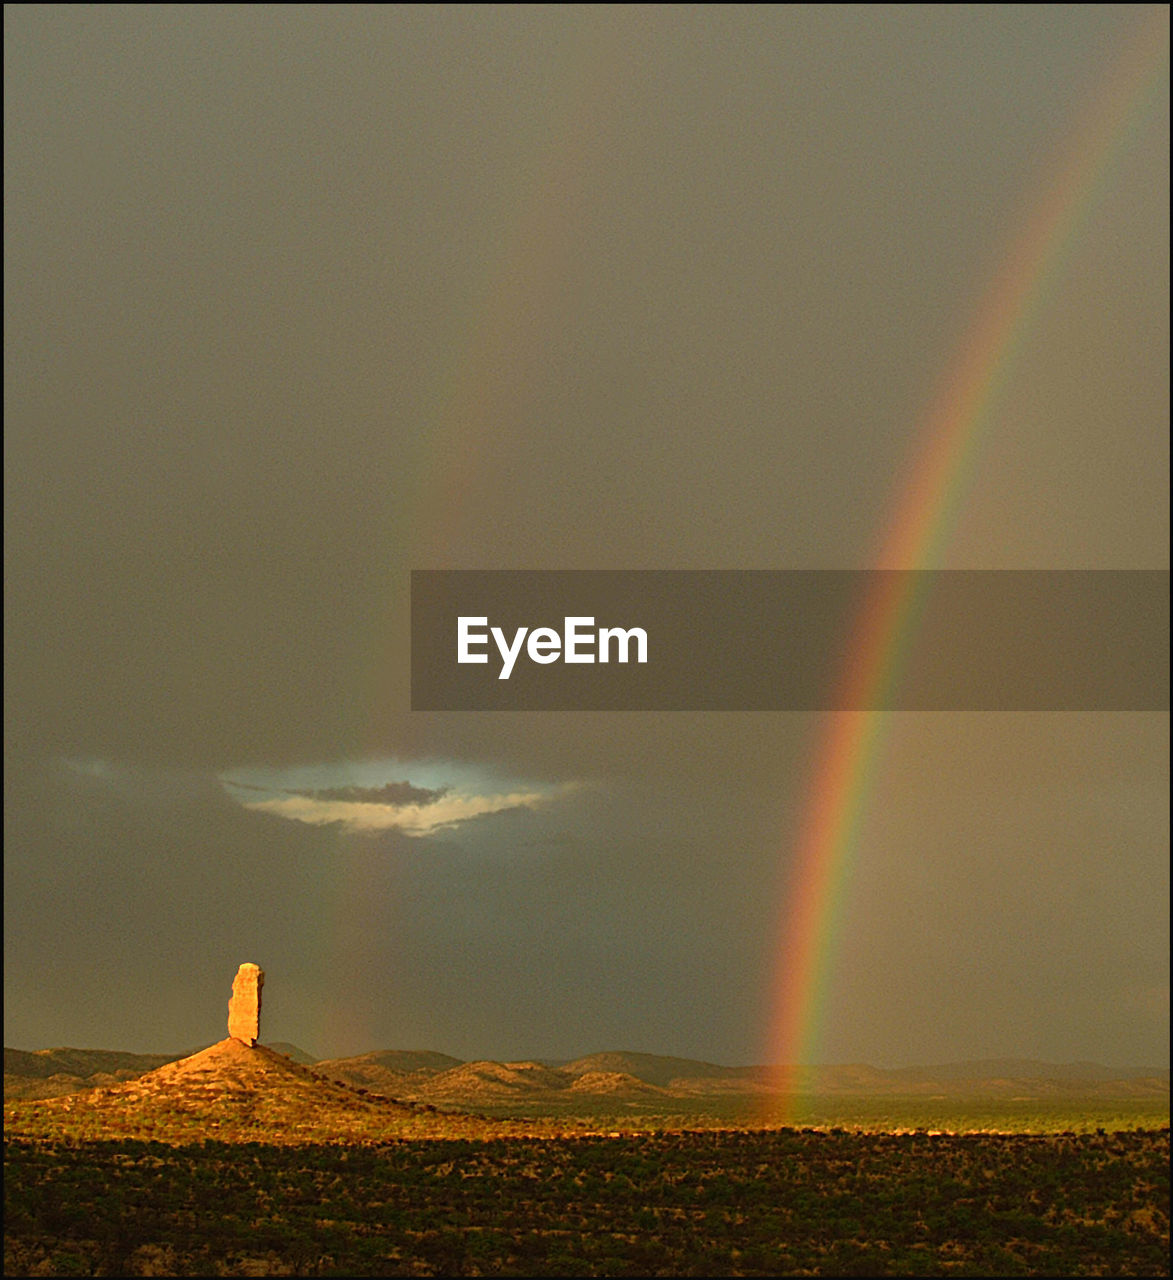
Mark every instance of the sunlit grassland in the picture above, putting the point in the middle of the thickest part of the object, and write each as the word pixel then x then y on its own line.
pixel 888 1114
pixel 237 1120
pixel 255 1185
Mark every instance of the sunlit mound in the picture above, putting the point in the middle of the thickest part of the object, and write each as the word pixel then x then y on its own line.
pixel 230 1068
pixel 233 1092
pixel 622 1083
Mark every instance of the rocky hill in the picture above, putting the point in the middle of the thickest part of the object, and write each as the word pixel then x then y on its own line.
pixel 49 1073
pixel 234 1092
pixel 52 1073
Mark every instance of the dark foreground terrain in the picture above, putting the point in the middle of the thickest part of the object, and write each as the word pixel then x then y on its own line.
pixel 775 1202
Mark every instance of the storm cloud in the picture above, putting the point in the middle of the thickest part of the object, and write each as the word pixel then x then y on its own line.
pixel 302 298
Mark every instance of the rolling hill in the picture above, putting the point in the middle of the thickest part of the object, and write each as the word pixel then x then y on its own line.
pixel 641 1077
pixel 440 1080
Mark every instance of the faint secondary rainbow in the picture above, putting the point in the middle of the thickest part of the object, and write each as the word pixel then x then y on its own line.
pixel 915 537
pixel 476 395
pixel 485 387
pixel 496 371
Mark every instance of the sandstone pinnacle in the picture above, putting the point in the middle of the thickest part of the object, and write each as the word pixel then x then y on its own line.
pixel 244 1009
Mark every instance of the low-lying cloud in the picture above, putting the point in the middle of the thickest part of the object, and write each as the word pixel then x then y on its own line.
pixel 393 793
pixel 418 799
pixel 440 813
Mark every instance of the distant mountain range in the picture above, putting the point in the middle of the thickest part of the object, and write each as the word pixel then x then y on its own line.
pixel 426 1077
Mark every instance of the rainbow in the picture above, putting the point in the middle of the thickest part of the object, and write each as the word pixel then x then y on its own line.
pixel 486 382
pixel 495 374
pixel 846 758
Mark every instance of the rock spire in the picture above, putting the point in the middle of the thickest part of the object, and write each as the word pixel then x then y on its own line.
pixel 244 1009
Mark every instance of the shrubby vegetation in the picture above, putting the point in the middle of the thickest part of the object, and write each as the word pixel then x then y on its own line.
pixel 763 1202
pixel 961 1114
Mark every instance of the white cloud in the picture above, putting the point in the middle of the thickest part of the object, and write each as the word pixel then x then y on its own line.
pixel 413 819
pixel 416 797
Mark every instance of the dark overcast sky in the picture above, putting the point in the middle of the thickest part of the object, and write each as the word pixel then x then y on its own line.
pixel 299 298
